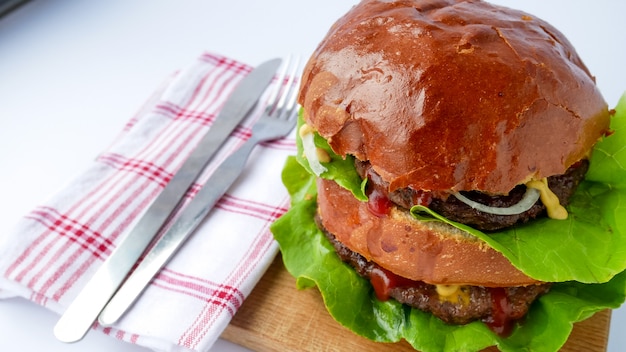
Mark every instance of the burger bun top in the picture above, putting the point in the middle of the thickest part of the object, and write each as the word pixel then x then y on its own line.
pixel 452 95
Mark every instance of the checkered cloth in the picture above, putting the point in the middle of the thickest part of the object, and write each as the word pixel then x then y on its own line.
pixel 58 246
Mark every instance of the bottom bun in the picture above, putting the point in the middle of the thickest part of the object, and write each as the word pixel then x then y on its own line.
pixel 433 252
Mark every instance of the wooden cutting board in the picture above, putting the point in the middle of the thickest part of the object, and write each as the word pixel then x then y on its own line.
pixel 278 317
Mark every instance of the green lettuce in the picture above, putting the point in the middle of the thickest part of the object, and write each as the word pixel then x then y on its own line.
pixel 585 256
pixel 340 169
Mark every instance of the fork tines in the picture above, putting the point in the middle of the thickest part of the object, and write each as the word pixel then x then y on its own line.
pixel 282 108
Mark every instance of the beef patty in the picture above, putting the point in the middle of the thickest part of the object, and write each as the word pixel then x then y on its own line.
pixel 563 186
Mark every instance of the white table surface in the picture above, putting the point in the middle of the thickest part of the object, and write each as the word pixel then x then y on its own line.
pixel 73 72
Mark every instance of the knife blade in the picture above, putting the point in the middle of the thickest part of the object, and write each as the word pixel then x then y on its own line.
pixel 84 310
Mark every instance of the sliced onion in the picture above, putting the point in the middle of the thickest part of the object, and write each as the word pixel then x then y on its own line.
pixel 310 152
pixel 530 198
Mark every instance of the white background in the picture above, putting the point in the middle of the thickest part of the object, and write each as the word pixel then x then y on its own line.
pixel 73 72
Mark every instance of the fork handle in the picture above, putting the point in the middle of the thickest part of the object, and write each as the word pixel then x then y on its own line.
pixel 165 247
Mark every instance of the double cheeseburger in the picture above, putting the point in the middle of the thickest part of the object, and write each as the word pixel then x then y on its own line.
pixel 447 140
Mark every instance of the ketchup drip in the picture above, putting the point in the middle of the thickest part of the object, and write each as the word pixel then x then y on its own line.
pixel 500 320
pixel 383 281
pixel 378 203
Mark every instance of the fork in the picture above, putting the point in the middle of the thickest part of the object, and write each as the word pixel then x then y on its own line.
pixel 277 120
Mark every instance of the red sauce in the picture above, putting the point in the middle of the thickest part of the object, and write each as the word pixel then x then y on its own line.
pixel 378 203
pixel 500 320
pixel 383 281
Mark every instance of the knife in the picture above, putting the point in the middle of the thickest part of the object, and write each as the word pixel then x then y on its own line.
pixel 84 310
pixel 200 206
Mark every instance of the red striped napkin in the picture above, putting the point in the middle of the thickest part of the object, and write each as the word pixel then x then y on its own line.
pixel 58 246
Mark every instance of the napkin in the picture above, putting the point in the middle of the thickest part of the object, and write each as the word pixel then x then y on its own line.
pixel 56 248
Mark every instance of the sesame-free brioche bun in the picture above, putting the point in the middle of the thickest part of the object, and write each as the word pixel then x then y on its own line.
pixel 452 95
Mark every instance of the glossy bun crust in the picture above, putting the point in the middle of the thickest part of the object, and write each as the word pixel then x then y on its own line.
pixel 433 252
pixel 452 95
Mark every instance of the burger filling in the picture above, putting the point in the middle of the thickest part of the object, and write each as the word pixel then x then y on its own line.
pixel 561 186
pixel 498 307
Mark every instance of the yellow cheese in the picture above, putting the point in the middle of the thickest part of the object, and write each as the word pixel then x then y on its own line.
pixel 549 199
pixel 456 294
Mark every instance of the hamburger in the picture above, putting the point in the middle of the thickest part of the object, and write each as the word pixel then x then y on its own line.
pixel 452 178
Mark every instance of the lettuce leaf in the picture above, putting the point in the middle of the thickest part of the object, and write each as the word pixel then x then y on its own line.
pixel 340 170
pixel 585 255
